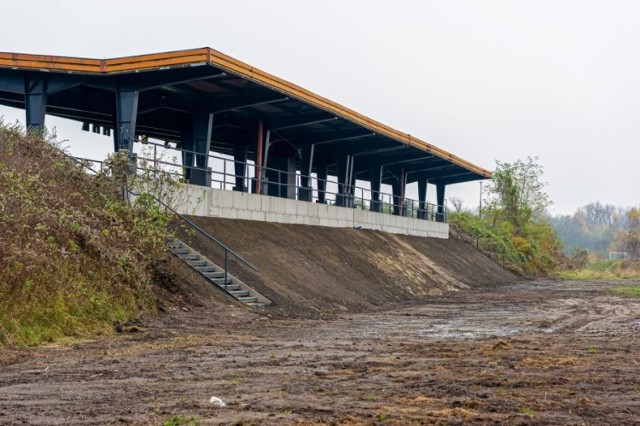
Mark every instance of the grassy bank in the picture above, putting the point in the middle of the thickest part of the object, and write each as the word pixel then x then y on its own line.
pixel 624 291
pixel 609 270
pixel 73 258
pixel 532 252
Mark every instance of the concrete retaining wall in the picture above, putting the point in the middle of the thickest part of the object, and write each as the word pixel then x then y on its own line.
pixel 210 202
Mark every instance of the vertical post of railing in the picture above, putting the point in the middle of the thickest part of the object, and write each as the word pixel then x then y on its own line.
pixel 226 268
pixel 224 174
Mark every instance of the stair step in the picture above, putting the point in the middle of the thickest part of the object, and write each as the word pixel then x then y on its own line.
pixel 232 287
pixel 174 246
pixel 189 257
pixel 213 274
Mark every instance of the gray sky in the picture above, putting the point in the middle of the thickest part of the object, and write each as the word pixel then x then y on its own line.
pixel 485 80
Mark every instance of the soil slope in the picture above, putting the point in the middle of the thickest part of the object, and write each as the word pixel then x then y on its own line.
pixel 314 271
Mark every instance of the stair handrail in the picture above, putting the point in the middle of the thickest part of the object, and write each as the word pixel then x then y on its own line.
pixel 227 250
pixel 197 228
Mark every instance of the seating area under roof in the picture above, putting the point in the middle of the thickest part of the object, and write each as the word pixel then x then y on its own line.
pixel 162 95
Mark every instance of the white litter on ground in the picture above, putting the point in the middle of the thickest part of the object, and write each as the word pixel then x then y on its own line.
pixel 217 402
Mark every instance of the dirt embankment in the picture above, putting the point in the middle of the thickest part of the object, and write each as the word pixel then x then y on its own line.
pixel 310 271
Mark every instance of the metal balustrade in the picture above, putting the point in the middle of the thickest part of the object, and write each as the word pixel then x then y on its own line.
pixel 222 172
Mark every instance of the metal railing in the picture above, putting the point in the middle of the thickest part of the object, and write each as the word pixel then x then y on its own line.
pixel 84 162
pixel 276 182
pixel 204 233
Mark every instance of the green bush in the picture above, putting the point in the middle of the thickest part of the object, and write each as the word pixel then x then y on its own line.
pixel 73 256
pixel 512 228
pixel 532 252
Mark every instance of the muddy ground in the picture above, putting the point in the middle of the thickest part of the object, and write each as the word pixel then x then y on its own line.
pixel 532 353
pixel 314 271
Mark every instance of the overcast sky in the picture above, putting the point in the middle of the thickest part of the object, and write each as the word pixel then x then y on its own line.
pixel 485 80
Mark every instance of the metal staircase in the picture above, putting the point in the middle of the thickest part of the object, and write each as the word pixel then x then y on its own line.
pixel 217 275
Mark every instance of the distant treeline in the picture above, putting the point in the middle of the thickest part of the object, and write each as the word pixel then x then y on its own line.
pixel 599 228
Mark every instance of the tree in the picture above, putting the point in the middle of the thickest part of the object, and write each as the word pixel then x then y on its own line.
pixel 629 239
pixel 513 228
pixel 600 215
pixel 456 202
pixel 516 193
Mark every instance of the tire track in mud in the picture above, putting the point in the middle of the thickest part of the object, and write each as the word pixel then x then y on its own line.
pixel 535 353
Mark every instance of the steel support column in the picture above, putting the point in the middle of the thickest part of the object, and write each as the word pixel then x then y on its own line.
pixel 265 161
pixel 403 189
pixel 343 168
pixel 321 169
pixel 395 186
pixel 240 166
pixel 126 114
pixel 422 197
pixel 440 189
pixel 376 178
pixel 306 165
pixel 202 124
pixel 188 149
pixel 35 101
pixel 258 164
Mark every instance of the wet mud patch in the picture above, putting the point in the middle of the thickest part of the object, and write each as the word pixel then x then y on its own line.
pixel 534 353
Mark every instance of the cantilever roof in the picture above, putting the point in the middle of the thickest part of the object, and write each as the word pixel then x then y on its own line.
pixel 207 56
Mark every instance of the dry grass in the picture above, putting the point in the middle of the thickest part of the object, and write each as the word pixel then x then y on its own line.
pixel 606 270
pixel 73 258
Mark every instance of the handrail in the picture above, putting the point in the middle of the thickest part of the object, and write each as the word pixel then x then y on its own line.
pixel 195 226
pixel 227 250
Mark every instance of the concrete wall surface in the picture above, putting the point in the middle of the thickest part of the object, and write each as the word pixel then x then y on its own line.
pixel 211 202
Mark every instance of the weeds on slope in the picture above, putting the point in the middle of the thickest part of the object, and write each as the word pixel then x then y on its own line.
pixel 73 256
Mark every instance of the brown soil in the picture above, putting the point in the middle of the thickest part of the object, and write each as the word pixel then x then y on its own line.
pixel 311 272
pixel 352 338
pixel 531 353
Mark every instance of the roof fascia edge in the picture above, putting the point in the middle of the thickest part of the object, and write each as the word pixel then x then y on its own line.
pixel 235 66
pixel 226 63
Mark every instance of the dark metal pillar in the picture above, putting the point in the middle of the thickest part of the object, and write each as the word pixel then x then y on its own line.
pixel 422 197
pixel 281 176
pixel 240 165
pixel 343 184
pixel 321 170
pixel 202 126
pixel 403 189
pixel 258 165
pixel 35 97
pixel 188 148
pixel 351 189
pixel 126 114
pixel 440 188
pixel 265 163
pixel 376 178
pixel 395 185
pixel 306 165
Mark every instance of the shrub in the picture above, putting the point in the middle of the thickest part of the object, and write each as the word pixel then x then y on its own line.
pixel 73 256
